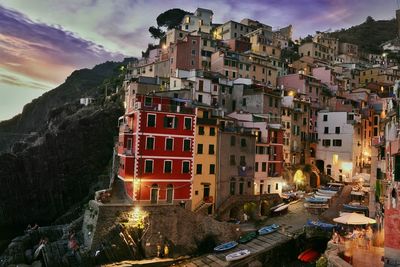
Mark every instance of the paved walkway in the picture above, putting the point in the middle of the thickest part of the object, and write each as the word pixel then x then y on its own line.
pixel 291 224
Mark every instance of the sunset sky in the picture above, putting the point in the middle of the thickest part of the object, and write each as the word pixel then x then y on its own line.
pixel 42 42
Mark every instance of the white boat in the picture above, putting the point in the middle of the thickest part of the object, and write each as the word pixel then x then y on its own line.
pixel 277 206
pixel 327 192
pixel 322 196
pixel 281 208
pixel 237 255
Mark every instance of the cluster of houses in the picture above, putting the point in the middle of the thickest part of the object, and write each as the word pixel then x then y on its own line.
pixel 218 111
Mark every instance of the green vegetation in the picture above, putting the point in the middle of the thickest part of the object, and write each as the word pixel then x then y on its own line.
pixel 368 35
pixel 169 20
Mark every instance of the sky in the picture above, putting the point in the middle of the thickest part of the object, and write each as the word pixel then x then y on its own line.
pixel 43 41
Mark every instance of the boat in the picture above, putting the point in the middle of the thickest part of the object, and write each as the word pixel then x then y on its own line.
pixel 226 246
pixel 316 200
pixel 277 206
pixel 319 224
pixel 268 229
pixel 355 207
pixel 237 255
pixel 322 196
pixel 247 237
pixel 282 208
pixel 309 255
pixel 327 192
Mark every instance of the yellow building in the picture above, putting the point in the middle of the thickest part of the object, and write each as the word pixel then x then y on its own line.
pixel 205 162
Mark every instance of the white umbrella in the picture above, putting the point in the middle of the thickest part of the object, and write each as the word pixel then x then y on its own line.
pixel 354 219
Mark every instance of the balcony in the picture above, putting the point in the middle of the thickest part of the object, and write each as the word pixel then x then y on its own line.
pixel 245 171
pixel 378 141
pixel 207 121
pixel 124 128
pixel 208 199
pixel 164 108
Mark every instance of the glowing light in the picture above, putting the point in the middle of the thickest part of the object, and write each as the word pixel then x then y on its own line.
pixel 347 166
pixel 335 159
pixel 291 93
pixel 164 46
pixel 299 177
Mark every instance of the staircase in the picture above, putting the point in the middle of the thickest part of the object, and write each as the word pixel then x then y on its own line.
pixel 204 203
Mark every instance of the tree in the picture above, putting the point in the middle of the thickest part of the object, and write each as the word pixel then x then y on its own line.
pixel 156 33
pixel 369 19
pixel 171 18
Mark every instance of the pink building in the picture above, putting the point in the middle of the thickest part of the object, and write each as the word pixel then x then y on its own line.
pixel 185 54
pixel 327 76
pixel 302 84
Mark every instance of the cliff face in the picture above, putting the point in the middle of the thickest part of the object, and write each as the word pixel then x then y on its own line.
pixel 81 83
pixel 57 169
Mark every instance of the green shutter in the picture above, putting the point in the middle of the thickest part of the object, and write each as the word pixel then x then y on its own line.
pixel 176 122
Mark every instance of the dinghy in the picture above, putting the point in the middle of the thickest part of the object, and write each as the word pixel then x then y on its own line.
pixel 309 255
pixel 237 255
pixel 316 200
pixel 277 206
pixel 226 246
pixel 282 208
pixel 268 229
pixel 247 237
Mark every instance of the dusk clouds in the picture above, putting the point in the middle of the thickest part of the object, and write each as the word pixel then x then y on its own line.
pixel 42 42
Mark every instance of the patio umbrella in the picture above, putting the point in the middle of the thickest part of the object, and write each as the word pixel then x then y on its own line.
pixel 354 219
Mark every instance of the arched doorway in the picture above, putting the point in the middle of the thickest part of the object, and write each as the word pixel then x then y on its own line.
pixel 170 193
pixel 234 213
pixel 320 165
pixel 154 194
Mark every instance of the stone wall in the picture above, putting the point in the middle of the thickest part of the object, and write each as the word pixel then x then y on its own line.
pixel 333 258
pixel 180 228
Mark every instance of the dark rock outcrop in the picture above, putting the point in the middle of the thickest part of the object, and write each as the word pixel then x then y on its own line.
pixel 56 170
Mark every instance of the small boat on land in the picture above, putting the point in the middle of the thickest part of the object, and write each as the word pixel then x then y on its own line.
pixel 319 224
pixel 308 255
pixel 238 255
pixel 226 246
pixel 316 200
pixel 322 196
pixel 268 229
pixel 247 237
pixel 327 192
pixel 282 208
pixel 277 206
pixel 355 207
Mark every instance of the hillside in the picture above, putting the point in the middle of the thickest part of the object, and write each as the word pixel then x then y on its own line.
pixel 368 35
pixel 81 83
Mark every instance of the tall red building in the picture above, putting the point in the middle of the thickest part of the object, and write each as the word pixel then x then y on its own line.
pixel 156 149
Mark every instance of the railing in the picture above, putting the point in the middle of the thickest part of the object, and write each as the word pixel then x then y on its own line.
pixel 208 199
pixel 124 128
pixel 164 108
pixel 245 171
pixel 206 121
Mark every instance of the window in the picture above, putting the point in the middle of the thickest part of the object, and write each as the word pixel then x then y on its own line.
pixel 243 142
pixel 169 144
pixel 148 166
pixel 326 130
pixel 232 160
pixel 263 166
pixel 185 167
pixel 151 120
pixel 186 145
pixel 270 101
pixel 242 160
pixel 337 130
pixel 188 123
pixel 201 85
pixel 276 186
pixel 233 140
pixel 304 121
pixel 337 142
pixel 326 142
pixel 244 102
pixel 201 130
pixel 167 166
pixel 170 122
pixel 148 101
pixel 212 168
pixel 211 149
pixel 199 148
pixel 325 118
pixel 200 98
pixel 212 131
pixel 205 114
pixel 256 167
pixel 150 143
pixel 199 169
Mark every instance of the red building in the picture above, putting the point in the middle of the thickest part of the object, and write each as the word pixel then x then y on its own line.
pixel 185 54
pixel 275 141
pixel 156 149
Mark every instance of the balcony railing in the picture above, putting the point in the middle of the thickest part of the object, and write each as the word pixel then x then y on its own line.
pixel 207 121
pixel 245 171
pixel 208 199
pixel 124 128
pixel 164 108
